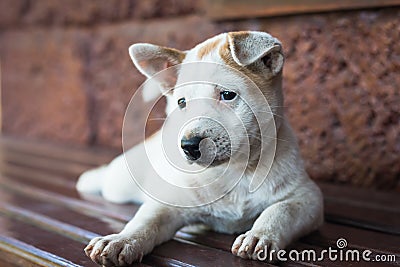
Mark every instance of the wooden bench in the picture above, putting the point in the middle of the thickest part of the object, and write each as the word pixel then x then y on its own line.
pixel 44 221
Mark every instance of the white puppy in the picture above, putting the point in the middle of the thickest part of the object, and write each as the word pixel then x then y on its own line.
pixel 243 171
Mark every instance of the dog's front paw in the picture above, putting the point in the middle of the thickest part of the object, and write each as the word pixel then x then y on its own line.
pixel 114 250
pixel 256 245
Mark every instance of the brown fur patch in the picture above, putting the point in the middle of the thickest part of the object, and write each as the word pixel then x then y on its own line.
pixel 226 55
pixel 237 38
pixel 207 48
pixel 252 71
pixel 174 55
pixel 239 35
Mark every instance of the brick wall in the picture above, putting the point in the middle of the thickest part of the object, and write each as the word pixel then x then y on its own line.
pixel 67 76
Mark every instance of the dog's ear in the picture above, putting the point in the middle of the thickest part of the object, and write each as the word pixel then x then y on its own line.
pixel 247 47
pixel 150 59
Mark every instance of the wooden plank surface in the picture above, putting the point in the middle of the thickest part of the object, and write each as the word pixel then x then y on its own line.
pixel 366 208
pixel 238 9
pixel 16 253
pixel 40 198
pixel 93 156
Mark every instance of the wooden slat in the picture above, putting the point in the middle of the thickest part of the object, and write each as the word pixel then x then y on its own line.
pixel 43 240
pixel 65 167
pixel 46 248
pixel 93 156
pixel 28 174
pixel 98 223
pixel 361 223
pixel 19 189
pixel 46 223
pixel 362 208
pixel 362 197
pixel 224 242
pixel 357 238
pixel 325 237
pixel 234 9
pixel 198 255
pixel 17 253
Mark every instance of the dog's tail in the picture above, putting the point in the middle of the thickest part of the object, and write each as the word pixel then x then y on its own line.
pixel 91 181
pixel 113 181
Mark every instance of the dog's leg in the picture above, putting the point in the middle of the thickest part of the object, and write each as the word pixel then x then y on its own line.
pixel 153 224
pixel 281 223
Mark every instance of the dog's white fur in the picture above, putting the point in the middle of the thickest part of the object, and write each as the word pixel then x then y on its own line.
pixel 287 204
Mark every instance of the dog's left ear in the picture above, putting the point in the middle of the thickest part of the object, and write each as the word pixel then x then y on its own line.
pixel 247 47
pixel 150 59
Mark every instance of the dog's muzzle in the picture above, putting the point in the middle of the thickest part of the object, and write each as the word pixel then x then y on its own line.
pixel 205 151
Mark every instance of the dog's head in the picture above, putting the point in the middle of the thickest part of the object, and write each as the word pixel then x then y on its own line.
pixel 218 90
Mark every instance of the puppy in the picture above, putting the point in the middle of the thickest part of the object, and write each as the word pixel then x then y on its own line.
pixel 239 170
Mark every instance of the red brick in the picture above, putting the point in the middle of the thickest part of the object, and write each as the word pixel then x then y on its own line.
pixel 17 13
pixel 42 86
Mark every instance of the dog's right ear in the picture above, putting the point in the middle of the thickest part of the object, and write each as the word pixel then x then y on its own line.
pixel 150 59
pixel 249 46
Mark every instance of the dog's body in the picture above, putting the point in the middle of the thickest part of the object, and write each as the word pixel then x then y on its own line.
pixel 285 205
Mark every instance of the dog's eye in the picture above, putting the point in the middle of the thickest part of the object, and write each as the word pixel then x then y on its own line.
pixel 182 103
pixel 228 95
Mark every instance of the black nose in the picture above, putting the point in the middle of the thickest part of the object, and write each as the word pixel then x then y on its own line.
pixel 191 147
